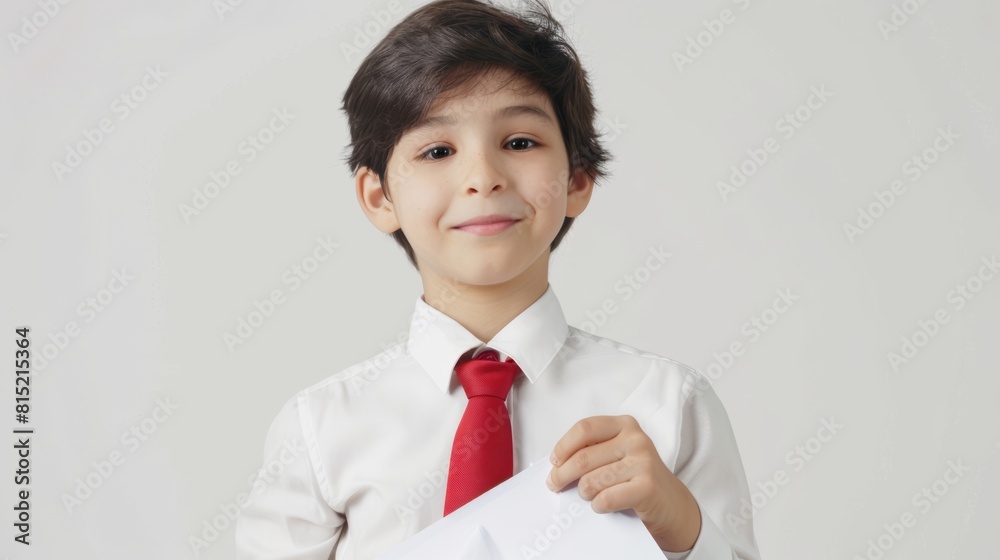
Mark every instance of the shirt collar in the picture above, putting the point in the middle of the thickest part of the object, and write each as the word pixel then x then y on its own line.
pixel 532 339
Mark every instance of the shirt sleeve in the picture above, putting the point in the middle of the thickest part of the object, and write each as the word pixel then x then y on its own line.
pixel 288 515
pixel 709 464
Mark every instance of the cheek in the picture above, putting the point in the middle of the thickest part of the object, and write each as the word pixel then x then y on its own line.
pixel 548 198
pixel 420 211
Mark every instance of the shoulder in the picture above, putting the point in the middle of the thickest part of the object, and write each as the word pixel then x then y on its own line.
pixel 344 389
pixel 681 377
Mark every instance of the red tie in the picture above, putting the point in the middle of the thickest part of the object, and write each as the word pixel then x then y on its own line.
pixel 482 454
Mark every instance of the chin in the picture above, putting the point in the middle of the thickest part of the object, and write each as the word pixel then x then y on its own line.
pixel 487 274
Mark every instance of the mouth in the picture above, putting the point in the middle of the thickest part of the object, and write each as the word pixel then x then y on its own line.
pixel 487 225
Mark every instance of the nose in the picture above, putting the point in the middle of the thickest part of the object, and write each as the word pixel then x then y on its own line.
pixel 484 173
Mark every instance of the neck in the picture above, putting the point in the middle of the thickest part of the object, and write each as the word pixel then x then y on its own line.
pixel 486 309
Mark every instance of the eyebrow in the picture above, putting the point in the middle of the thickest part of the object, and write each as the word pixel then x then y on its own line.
pixel 507 112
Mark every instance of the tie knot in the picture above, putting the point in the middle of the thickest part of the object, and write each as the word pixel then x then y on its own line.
pixel 486 376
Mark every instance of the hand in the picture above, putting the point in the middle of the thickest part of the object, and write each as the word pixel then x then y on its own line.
pixel 619 468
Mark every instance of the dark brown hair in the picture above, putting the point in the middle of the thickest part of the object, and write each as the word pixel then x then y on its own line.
pixel 447 43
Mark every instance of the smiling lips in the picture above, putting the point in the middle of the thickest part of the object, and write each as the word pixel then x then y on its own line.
pixel 487 225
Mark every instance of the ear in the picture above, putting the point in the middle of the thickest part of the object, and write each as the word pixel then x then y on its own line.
pixel 372 199
pixel 581 187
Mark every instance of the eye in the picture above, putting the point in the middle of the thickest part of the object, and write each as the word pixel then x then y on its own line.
pixel 521 144
pixel 432 153
pixel 437 152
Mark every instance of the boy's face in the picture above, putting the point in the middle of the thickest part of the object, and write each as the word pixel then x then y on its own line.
pixel 487 150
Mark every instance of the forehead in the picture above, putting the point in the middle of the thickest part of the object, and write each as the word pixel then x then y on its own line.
pixel 482 93
pixel 495 81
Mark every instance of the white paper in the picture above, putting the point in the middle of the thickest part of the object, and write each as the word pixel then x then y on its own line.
pixel 521 519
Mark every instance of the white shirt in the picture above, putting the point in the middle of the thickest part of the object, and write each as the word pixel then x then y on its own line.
pixel 358 462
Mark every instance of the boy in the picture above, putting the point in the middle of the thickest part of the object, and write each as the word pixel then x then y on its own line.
pixel 473 145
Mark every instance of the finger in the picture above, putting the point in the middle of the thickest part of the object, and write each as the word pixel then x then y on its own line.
pixel 625 495
pixel 598 480
pixel 588 431
pixel 584 461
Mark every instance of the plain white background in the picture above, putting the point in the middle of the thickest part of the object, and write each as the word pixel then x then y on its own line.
pixel 675 127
